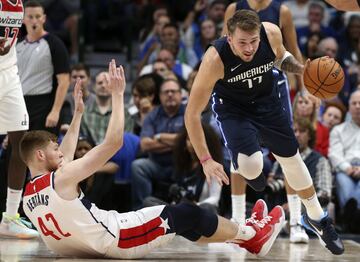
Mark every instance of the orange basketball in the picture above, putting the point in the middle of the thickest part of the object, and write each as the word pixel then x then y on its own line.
pixel 324 77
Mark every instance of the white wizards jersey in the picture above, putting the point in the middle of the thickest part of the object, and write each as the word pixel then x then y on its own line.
pixel 68 227
pixel 11 18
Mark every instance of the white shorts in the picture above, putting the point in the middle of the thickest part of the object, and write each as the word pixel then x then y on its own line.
pixel 139 233
pixel 13 113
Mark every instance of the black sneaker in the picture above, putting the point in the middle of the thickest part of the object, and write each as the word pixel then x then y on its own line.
pixel 325 230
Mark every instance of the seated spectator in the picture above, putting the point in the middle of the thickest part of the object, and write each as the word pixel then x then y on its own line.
pixel 150 28
pixel 82 72
pixel 166 55
pixel 299 10
pixel 305 107
pixel 170 35
pixel 97 114
pixel 344 154
pixel 315 16
pixel 158 135
pixel 207 36
pixel 203 10
pixel 334 114
pixel 144 97
pixel 190 180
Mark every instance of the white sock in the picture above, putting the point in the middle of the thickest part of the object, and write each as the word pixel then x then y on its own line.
pixel 294 208
pixel 245 233
pixel 313 207
pixel 13 201
pixel 238 208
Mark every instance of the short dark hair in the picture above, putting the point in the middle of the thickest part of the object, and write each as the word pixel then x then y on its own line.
pixel 34 140
pixel 303 124
pixel 33 3
pixel 145 85
pixel 246 20
pixel 80 67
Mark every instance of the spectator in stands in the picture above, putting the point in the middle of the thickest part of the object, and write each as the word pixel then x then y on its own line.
pixel 201 11
pixel 334 114
pixel 320 171
pixel 145 97
pixel 78 71
pixel 305 107
pixel 97 114
pixel 349 41
pixel 299 10
pixel 344 154
pixel 151 22
pixel 170 35
pixel 158 137
pixel 43 63
pixel 207 35
pixel 316 16
pixel 190 182
pixel 166 55
pixel 153 40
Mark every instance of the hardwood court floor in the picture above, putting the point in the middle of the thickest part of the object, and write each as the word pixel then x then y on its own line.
pixel 182 250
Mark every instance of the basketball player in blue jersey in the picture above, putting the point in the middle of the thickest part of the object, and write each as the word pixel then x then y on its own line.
pixel 345 5
pixel 237 73
pixel 280 15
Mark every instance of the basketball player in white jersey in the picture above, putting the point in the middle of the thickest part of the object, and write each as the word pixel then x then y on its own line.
pixel 13 118
pixel 72 226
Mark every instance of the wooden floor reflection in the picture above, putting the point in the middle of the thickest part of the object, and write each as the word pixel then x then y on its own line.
pixel 183 250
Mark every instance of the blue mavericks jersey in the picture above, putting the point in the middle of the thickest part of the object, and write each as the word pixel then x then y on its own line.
pixel 245 82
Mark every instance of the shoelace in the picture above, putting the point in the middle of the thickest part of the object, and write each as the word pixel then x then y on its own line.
pixel 260 223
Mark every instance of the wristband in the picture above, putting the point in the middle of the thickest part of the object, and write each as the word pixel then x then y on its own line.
pixel 204 159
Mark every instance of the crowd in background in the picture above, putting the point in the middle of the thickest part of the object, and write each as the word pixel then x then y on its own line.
pixel 157 163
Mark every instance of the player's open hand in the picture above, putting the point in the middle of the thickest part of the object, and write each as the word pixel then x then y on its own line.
pixel 212 168
pixel 78 97
pixel 116 81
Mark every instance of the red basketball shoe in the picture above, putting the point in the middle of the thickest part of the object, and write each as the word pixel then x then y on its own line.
pixel 267 229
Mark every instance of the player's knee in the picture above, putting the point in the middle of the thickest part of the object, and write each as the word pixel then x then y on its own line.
pixel 250 166
pixel 295 171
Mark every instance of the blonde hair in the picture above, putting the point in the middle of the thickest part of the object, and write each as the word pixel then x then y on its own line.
pixel 314 114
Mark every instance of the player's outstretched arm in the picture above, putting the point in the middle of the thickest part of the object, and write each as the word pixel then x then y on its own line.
pixel 69 142
pixel 211 70
pixel 285 61
pixel 78 170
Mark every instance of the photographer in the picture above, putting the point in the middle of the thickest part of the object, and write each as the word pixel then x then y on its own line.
pixel 190 180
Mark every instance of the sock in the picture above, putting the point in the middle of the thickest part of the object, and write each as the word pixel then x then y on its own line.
pixel 313 207
pixel 13 201
pixel 238 208
pixel 245 233
pixel 295 209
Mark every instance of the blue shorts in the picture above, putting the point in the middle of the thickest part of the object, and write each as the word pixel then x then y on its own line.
pixel 265 120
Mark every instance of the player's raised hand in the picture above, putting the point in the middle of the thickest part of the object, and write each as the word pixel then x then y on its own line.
pixel 116 81
pixel 212 168
pixel 78 97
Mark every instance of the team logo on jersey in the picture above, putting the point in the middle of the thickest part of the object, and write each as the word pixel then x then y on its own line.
pixel 253 72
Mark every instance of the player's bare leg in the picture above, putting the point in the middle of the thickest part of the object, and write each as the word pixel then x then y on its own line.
pixel 12 225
